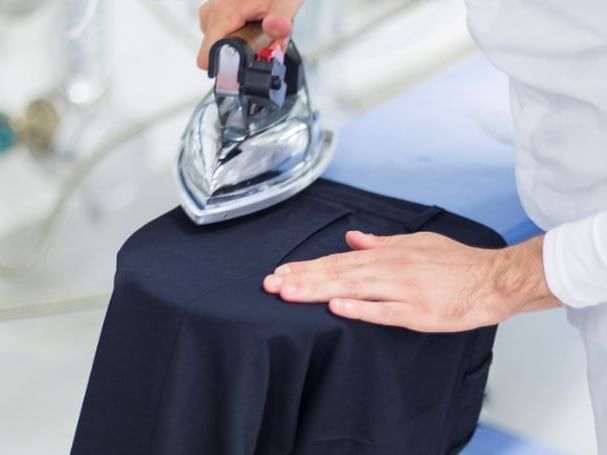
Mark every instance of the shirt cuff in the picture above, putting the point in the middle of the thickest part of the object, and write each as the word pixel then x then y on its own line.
pixel 575 261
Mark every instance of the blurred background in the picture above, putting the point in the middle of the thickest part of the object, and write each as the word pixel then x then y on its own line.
pixel 94 95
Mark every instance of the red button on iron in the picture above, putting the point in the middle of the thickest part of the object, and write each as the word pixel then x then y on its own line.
pixel 266 54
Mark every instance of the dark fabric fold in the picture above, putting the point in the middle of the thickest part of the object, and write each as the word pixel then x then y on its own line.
pixel 194 358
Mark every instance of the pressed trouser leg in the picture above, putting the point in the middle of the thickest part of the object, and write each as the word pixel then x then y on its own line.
pixel 196 359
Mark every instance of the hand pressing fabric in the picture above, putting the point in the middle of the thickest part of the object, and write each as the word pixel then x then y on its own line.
pixel 425 282
pixel 219 18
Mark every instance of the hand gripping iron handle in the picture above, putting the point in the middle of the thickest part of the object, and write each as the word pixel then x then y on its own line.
pixel 252 34
pixel 246 42
pixel 244 65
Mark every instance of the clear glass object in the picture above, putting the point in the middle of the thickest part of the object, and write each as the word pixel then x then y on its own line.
pixel 86 75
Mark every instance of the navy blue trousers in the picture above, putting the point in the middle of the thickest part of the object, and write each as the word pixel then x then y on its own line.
pixel 195 359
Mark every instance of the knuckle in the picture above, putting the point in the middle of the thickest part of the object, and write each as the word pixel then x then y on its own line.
pixel 211 16
pixel 294 267
pixel 257 6
pixel 376 257
pixel 203 14
pixel 215 13
pixel 352 287
pixel 334 273
pixel 310 291
pixel 295 281
pixel 423 238
pixel 333 260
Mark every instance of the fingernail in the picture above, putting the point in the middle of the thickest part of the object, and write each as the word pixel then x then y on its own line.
pixel 283 270
pixel 273 282
pixel 290 290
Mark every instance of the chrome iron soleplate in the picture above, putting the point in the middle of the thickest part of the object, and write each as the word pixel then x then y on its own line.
pixel 260 196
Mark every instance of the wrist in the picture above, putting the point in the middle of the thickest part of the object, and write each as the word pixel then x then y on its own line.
pixel 519 278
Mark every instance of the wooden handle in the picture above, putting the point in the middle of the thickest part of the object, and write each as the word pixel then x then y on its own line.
pixel 254 36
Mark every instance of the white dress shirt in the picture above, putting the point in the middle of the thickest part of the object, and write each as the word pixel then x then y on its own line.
pixel 555 53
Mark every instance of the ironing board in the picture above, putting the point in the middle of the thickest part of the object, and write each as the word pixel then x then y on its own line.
pixel 447 143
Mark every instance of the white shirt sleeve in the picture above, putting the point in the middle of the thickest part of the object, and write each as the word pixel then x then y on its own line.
pixel 575 261
pixel 555 53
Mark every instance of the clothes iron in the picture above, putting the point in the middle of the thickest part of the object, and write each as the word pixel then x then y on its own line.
pixel 258 141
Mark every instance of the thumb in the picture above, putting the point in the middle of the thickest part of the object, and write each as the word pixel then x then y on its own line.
pixel 278 23
pixel 360 241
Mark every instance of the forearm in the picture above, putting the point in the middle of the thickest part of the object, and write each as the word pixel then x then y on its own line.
pixel 568 265
pixel 519 279
pixel 561 142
